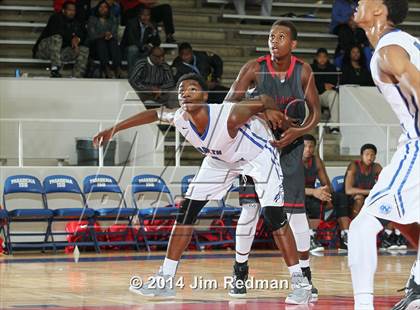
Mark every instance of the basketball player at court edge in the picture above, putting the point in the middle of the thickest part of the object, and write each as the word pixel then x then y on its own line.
pixel 291 83
pixel 234 142
pixel 395 197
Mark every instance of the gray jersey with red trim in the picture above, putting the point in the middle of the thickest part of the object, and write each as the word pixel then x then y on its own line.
pixel 283 91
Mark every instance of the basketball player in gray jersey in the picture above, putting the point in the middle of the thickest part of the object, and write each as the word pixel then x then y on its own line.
pixel 290 82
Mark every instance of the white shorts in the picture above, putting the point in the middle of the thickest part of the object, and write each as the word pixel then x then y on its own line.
pixel 216 177
pixel 396 195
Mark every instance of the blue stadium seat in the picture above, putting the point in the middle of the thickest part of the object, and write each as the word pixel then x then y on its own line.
pixel 149 183
pixel 28 188
pixel 337 184
pixel 106 185
pixel 64 187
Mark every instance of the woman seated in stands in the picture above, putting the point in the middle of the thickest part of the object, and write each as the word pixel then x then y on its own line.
pixel 103 39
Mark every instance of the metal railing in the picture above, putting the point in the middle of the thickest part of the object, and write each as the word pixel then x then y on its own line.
pixel 38 120
pixel 178 144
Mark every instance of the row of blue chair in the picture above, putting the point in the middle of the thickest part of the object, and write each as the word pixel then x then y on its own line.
pixel 93 185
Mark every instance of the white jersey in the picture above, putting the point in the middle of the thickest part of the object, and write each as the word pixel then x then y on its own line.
pixel 396 195
pixel 216 142
pixel 404 105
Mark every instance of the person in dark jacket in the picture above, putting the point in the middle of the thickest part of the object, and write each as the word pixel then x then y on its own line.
pixel 348 33
pixel 63 40
pixel 209 66
pixel 139 37
pixel 159 13
pixel 114 9
pixel 83 8
pixel 354 69
pixel 153 80
pixel 103 39
pixel 326 80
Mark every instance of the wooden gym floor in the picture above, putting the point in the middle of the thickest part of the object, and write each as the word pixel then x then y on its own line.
pixel 29 281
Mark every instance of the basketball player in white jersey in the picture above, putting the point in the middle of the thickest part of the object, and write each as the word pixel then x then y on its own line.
pixel 396 196
pixel 234 142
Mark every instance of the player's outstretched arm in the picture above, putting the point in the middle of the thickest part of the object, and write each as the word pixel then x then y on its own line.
pixel 242 111
pixel 397 65
pixel 142 118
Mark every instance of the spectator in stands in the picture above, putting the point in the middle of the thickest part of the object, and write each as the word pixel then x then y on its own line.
pixel 354 68
pixel 208 65
pixel 82 8
pixel 361 176
pixel 139 37
pixel 63 40
pixel 343 25
pixel 326 79
pixel 153 80
pixel 114 9
pixel 266 6
pixel 103 39
pixel 159 13
pixel 319 200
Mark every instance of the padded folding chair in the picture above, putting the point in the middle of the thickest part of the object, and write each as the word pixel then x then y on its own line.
pixel 220 212
pixel 337 184
pixel 64 187
pixel 95 187
pixel 29 189
pixel 149 183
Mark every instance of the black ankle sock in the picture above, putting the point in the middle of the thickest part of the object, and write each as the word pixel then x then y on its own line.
pixel 241 264
pixel 307 273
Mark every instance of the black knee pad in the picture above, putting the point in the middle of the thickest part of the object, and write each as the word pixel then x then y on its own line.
pixel 189 211
pixel 275 217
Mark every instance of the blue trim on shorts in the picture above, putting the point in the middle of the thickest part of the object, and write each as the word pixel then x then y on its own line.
pixel 407 149
pixel 410 168
pixel 416 116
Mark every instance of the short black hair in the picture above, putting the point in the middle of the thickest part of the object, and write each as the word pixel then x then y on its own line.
pixel 368 146
pixel 321 50
pixel 308 137
pixel 67 3
pixel 397 10
pixel 141 8
pixel 195 77
pixel 289 25
pixel 184 46
pixel 155 48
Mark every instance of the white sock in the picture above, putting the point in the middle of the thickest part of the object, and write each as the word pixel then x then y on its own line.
pixel 363 255
pixel 169 267
pixel 312 232
pixel 397 232
pixel 388 232
pixel 344 232
pixel 363 301
pixel 304 263
pixel 294 269
pixel 245 231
